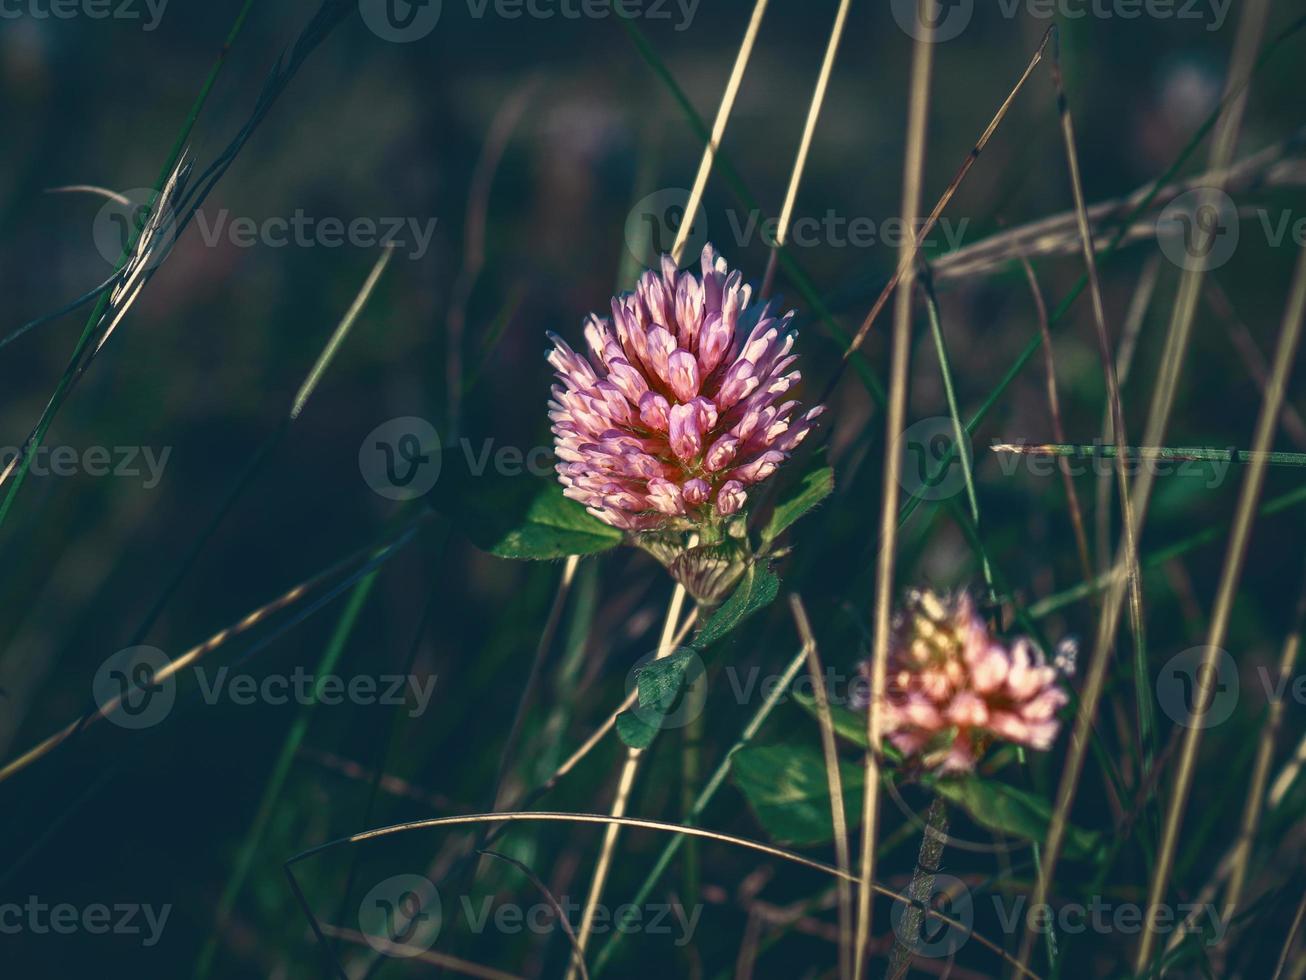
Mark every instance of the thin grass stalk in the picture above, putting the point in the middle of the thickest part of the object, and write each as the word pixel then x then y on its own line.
pixel 502 126
pixel 1058 235
pixel 1227 127
pixel 1253 360
pixel 338 336
pixel 277 778
pixel 1050 604
pixel 430 957
pixel 197 652
pixel 922 64
pixel 909 257
pixel 1143 702
pixel 1254 805
pixel 641 823
pixel 665 647
pixel 718 127
pixel 959 436
pixel 1233 565
pixel 621 799
pixel 1133 326
pixel 1058 427
pixel 66 380
pixel 928 862
pixel 1234 94
pixel 1289 941
pixel 704 798
pixel 839 820
pixel 805 144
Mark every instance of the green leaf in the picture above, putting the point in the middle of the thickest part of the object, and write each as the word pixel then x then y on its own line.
pixel 758 588
pixel 788 791
pixel 1013 811
pixel 635 731
pixel 659 681
pixel 555 527
pixel 521 516
pixel 847 723
pixel 811 490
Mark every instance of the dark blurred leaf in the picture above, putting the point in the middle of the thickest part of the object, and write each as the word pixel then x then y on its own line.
pixel 787 788
pixel 758 588
pixel 811 490
pixel 516 516
pixel 1013 811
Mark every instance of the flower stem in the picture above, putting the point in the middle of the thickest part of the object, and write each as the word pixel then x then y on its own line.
pixel 621 800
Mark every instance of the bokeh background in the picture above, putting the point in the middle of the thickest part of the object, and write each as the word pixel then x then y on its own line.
pixel 527 142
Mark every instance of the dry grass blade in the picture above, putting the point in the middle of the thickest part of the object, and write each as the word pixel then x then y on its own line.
pixel 1058 234
pixel 1250 354
pixel 1289 941
pixel 1253 808
pixel 682 830
pixel 1058 427
pixel 578 958
pixel 831 753
pixel 665 646
pixel 626 782
pixel 804 145
pixel 908 258
pixel 444 961
pixel 195 653
pixel 718 128
pixel 1250 27
pixel 917 113
pixel 478 204
pixel 341 332
pixel 1241 532
pixel 1143 696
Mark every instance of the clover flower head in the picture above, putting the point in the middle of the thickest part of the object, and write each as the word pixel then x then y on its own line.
pixel 675 410
pixel 952 687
